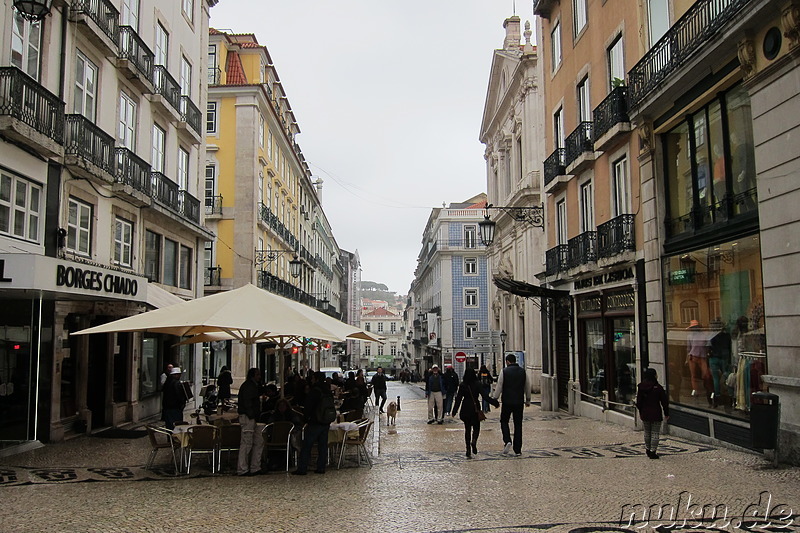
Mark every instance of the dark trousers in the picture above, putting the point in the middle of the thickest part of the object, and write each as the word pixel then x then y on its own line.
pixel 472 427
pixel 380 393
pixel 505 415
pixel 171 416
pixel 314 433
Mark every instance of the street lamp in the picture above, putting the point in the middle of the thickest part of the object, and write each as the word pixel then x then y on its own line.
pixel 33 9
pixel 533 215
pixel 269 255
pixel 503 337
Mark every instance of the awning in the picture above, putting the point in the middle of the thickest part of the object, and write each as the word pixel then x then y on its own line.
pixel 158 297
pixel 526 290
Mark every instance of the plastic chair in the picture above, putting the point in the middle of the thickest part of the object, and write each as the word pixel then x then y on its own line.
pixel 359 440
pixel 230 436
pixel 203 439
pixel 277 437
pixel 160 439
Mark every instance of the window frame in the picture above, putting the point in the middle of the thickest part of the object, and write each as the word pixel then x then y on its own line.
pixel 211 118
pixel 615 59
pixel 584 100
pixel 121 243
pixel 25 44
pixel 83 93
pixel 152 256
pixel 187 7
pixel 160 45
pixel 184 164
pixel 556 51
pixel 76 230
pixel 471 296
pixel 159 141
pixel 470 236
pixel 470 328
pixel 14 210
pixel 587 206
pixel 470 266
pixel 580 18
pixel 620 187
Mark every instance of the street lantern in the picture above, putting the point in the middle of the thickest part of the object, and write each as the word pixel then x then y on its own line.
pixel 294 267
pixel 486 227
pixel 33 9
pixel 532 215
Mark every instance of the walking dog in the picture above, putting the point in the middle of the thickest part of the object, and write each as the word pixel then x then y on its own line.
pixel 391 413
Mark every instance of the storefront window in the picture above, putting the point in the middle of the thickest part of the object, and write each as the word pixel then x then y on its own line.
pixel 148 373
pixel 595 362
pixel 709 165
pixel 716 347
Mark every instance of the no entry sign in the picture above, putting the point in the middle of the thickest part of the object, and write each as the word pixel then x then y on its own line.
pixel 461 357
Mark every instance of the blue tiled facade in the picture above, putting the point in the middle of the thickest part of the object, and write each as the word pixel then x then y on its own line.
pixel 463 281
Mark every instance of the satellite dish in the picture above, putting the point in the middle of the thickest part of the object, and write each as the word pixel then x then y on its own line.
pixel 218 345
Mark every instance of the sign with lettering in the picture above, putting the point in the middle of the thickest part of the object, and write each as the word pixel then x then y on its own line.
pixel 605 278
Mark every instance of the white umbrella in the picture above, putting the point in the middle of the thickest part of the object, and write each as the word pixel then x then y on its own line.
pixel 247 314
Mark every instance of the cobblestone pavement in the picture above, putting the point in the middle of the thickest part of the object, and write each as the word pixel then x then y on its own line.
pixel 575 475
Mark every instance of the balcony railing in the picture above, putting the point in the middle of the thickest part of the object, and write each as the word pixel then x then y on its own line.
pixel 214 75
pixel 213 205
pixel 698 26
pixel 579 141
pixel 212 276
pixel 582 249
pixel 555 165
pixel 190 114
pixel 132 48
pixel 611 111
pixel 278 286
pixel 188 206
pixel 164 191
pixel 103 13
pixel 85 139
pixel 616 236
pixel 165 85
pixel 26 100
pixel 132 170
pixel 557 260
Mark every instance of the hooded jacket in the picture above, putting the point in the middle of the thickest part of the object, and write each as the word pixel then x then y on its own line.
pixel 651 398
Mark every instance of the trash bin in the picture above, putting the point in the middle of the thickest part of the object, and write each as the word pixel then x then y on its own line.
pixel 764 420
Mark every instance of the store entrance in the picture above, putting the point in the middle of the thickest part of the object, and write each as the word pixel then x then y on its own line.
pixel 97 379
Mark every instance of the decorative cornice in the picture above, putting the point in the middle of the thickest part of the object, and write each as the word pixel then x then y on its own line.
pixel 747 57
pixel 790 21
pixel 645 132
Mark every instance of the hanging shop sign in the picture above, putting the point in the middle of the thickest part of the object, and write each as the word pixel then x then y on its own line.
pixel 51 274
pixel 606 278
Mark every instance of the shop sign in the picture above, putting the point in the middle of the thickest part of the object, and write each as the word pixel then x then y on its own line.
pixel 602 279
pixel 620 301
pixel 681 277
pixel 95 280
pixel 589 305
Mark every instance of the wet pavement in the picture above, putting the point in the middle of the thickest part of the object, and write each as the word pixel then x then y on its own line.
pixel 575 475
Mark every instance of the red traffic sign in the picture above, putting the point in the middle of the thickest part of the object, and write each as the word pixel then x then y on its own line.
pixel 461 357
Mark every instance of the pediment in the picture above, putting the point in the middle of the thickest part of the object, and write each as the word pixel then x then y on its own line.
pixel 501 79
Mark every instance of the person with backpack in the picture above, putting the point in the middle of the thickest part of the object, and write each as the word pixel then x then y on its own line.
pixel 319 411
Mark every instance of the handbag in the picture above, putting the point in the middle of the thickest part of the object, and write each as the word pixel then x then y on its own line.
pixel 478 412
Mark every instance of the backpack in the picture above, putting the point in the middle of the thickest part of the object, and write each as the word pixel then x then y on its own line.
pixel 326 409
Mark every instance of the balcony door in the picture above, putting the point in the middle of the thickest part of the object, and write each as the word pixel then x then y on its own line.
pixel 587 207
pixel 85 98
pixel 26 45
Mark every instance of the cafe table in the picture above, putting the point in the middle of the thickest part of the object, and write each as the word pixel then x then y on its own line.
pixel 337 433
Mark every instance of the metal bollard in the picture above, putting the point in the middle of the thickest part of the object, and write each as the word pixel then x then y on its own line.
pixel 398 403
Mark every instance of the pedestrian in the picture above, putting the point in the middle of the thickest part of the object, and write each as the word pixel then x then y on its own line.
pixel 379 387
pixel 316 429
pixel 434 387
pixel 485 378
pixel 224 382
pixel 251 444
pixel 451 387
pixel 651 399
pixel 165 375
pixel 467 398
pixel 514 391
pixel 173 398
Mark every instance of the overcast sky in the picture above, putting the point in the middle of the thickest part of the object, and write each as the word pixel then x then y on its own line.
pixel 389 98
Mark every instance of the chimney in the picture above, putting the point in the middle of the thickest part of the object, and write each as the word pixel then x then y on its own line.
pixel 318 185
pixel 511 25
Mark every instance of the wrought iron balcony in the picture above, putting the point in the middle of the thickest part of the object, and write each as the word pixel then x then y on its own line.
pixel 188 206
pixel 190 114
pixel 103 13
pixel 276 285
pixel 555 165
pixel 556 260
pixel 133 49
pixel 579 141
pixel 212 276
pixel 698 26
pixel 24 99
pixel 214 205
pixel 133 171
pixel 85 139
pixel 165 85
pixel 582 249
pixel 164 191
pixel 616 236
pixel 214 75
pixel 611 111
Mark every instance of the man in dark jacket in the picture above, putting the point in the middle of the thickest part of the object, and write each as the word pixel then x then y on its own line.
pixel 173 398
pixel 513 390
pixel 251 444
pixel 451 382
pixel 379 387
pixel 316 431
pixel 434 388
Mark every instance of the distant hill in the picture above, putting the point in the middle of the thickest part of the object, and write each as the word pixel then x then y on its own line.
pixel 379 291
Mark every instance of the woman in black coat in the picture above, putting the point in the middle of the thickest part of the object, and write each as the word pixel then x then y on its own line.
pixel 224 382
pixel 651 400
pixel 469 392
